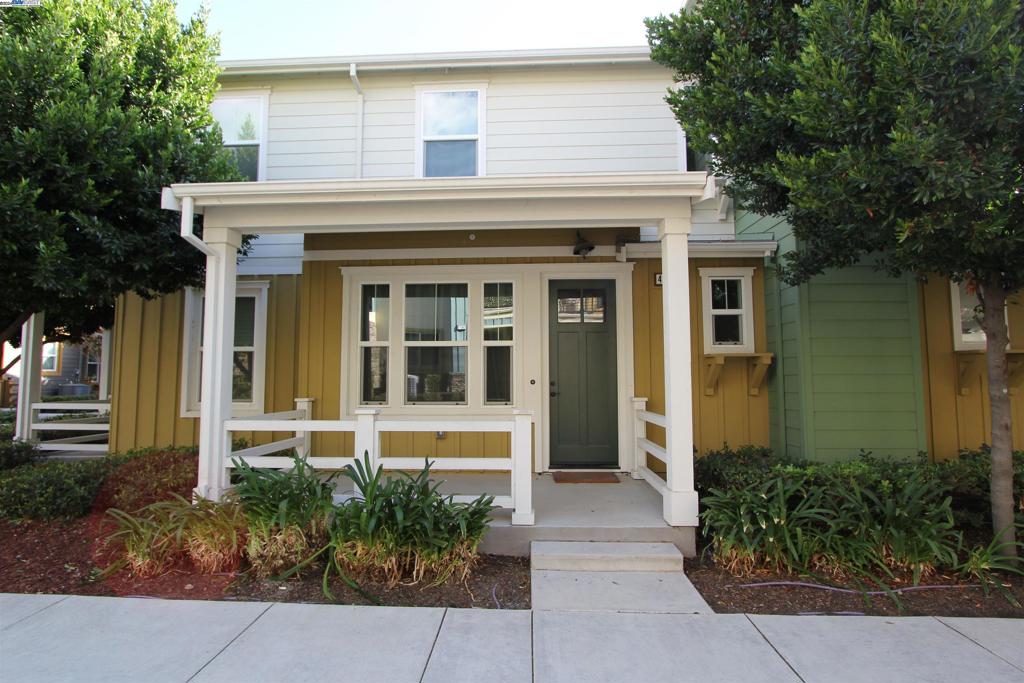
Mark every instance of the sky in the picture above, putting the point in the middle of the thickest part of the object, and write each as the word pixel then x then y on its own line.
pixel 255 29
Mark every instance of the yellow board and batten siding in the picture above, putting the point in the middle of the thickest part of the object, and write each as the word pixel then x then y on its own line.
pixel 960 419
pixel 147 367
pixel 729 416
pixel 304 337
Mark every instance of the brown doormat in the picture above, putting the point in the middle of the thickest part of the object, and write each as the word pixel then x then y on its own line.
pixel 585 478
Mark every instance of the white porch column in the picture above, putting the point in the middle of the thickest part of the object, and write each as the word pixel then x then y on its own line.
pixel 522 469
pixel 30 382
pixel 218 351
pixel 366 441
pixel 680 500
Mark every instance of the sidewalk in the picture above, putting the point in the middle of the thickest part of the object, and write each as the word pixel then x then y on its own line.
pixel 82 639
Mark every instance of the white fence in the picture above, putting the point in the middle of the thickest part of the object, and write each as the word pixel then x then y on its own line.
pixel 46 417
pixel 367 428
pixel 645 446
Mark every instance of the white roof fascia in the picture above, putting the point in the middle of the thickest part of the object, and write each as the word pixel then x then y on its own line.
pixel 440 60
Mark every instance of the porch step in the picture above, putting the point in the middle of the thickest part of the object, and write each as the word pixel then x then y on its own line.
pixel 605 556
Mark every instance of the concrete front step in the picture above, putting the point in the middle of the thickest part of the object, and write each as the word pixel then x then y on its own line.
pixel 605 556
pixel 650 592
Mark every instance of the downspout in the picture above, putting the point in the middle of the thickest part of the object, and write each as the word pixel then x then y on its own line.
pixel 359 118
pixel 187 207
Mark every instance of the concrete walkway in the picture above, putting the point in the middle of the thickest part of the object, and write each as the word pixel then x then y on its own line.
pixel 82 639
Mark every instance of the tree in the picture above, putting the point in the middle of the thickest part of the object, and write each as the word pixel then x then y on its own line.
pixel 102 103
pixel 876 127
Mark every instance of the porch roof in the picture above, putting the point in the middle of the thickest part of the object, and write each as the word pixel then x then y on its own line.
pixel 507 202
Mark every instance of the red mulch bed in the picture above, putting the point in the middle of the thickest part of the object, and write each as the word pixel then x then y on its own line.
pixel 67 557
pixel 726 594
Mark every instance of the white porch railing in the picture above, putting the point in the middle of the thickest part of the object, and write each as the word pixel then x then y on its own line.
pixel 367 428
pixel 645 447
pixel 97 440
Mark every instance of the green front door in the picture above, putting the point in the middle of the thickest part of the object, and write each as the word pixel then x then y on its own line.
pixel 584 418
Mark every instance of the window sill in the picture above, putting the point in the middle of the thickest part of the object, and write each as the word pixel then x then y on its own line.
pixel 715 361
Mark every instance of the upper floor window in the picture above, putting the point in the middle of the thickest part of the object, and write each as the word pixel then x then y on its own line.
pixel 242 119
pixel 727 303
pixel 450 128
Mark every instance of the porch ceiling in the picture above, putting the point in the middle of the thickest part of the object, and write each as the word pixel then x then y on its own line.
pixel 505 202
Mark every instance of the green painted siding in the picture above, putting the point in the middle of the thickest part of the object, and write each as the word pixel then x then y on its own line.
pixel 848 370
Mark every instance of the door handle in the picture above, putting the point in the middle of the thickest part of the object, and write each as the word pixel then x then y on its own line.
pixel 554 393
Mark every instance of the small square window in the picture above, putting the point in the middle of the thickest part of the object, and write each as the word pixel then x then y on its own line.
pixel 728 320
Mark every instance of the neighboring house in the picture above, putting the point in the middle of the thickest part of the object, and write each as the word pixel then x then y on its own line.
pixel 509 262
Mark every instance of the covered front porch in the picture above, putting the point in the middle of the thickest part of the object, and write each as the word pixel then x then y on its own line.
pixel 331 433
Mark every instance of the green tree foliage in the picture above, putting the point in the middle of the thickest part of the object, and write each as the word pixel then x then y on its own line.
pixel 891 128
pixel 102 103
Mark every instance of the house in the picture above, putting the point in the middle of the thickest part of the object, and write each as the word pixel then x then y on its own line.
pixel 509 263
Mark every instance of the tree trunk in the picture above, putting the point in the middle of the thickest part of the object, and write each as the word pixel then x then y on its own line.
pixel 993 301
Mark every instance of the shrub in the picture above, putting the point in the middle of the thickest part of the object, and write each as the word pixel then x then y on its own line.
pixel 150 476
pixel 52 489
pixel 151 540
pixel 727 468
pixel 403 529
pixel 297 497
pixel 834 522
pixel 273 549
pixel 161 535
pixel 16 453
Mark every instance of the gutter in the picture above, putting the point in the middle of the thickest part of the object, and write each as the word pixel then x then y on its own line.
pixel 442 60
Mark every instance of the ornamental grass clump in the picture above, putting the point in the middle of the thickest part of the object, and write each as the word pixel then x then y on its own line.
pixel 289 514
pixel 402 529
pixel 829 522
pixel 216 536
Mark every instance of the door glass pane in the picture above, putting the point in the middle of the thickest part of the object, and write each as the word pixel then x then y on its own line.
pixel 593 306
pixel 436 312
pixel 970 326
pixel 498 311
pixel 245 321
pixel 241 376
pixel 447 158
pixel 375 374
pixel 435 374
pixel 375 313
pixel 726 329
pixel 725 294
pixel 499 374
pixel 570 305
pixel 450 113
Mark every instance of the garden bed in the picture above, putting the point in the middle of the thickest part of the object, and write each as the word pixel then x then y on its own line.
pixel 59 557
pixel 727 594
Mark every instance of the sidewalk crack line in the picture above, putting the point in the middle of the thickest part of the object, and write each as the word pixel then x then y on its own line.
pixel 229 643
pixel 433 645
pixel 772 646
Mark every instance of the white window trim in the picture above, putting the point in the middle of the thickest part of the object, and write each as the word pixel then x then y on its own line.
pixel 263 95
pixel 746 277
pixel 959 342
pixel 481 132
pixel 397 345
pixel 191 372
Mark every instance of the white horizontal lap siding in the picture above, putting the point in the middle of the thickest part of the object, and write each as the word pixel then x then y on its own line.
pixel 586 124
pixel 389 129
pixel 311 129
pixel 273 255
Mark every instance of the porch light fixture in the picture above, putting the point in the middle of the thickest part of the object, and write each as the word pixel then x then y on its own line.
pixel 583 247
